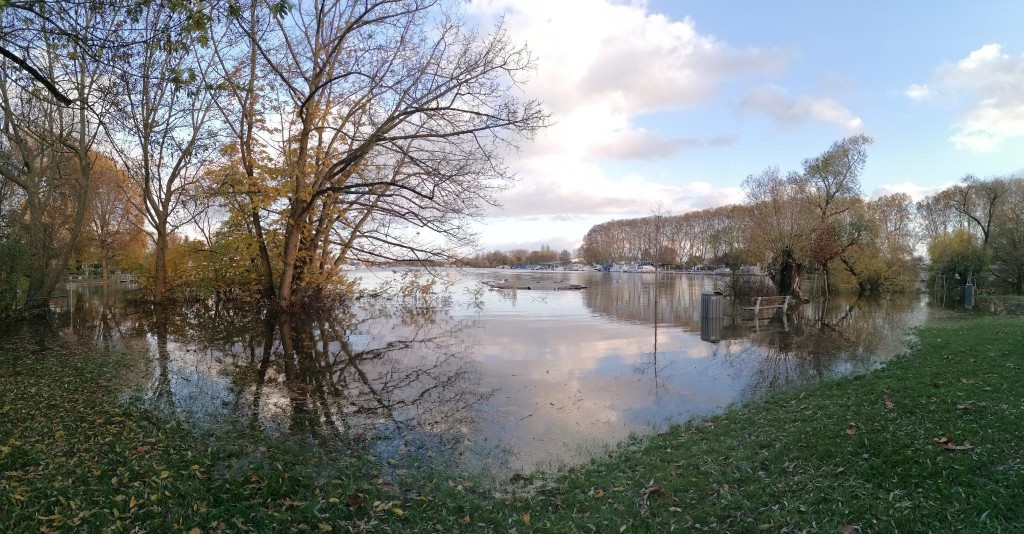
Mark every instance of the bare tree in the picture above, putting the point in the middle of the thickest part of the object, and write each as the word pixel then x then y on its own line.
pixel 163 133
pixel 977 201
pixel 780 227
pixel 393 120
pixel 49 135
pixel 1008 237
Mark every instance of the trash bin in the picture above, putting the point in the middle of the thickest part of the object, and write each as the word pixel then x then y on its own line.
pixel 712 304
pixel 711 329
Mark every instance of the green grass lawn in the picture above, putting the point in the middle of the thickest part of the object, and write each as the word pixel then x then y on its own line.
pixel 932 442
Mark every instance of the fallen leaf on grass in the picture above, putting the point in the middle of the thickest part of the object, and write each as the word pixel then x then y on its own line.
pixel 651 489
pixel 888 403
pixel 849 529
pixel 969 405
pixel 526 518
pixel 852 429
pixel 946 442
pixel 356 500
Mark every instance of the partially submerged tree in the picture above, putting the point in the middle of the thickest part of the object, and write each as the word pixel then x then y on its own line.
pixel 50 121
pixel 806 217
pixel 974 232
pixel 163 133
pixel 393 120
pixel 780 228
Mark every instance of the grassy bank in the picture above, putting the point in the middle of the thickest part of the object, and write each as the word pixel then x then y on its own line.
pixel 934 441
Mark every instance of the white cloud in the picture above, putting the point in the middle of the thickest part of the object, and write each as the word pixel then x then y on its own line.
pixel 603 63
pixel 556 186
pixel 916 192
pixel 640 143
pixel 602 66
pixel 992 83
pixel 789 111
pixel 918 92
pixel 618 55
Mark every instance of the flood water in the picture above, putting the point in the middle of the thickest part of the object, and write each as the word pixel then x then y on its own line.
pixel 501 380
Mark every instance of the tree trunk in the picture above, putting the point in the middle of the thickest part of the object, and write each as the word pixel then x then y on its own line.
pixel 160 270
pixel 268 289
pixel 289 259
pixel 788 277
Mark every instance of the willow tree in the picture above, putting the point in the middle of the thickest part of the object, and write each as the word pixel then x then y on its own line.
pixel 1007 240
pixel 780 227
pixel 391 118
pixel 805 217
pixel 973 230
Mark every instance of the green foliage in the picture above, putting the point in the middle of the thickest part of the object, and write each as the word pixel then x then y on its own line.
pixel 15 267
pixel 957 254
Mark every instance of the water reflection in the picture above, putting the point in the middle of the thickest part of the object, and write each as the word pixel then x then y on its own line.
pixel 813 341
pixel 401 377
pixel 538 376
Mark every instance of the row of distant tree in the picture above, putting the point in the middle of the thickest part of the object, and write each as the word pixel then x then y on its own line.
pixel 818 219
pixel 520 256
pixel 285 139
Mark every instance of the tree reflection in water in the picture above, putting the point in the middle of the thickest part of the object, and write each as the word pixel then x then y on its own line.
pixel 621 356
pixel 822 339
pixel 398 377
pixel 816 340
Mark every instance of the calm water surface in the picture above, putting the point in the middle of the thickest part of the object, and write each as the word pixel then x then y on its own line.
pixel 500 380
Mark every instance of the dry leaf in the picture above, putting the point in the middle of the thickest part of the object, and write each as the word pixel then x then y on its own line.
pixel 969 405
pixel 888 403
pixel 526 518
pixel 651 489
pixel 852 429
pixel 849 529
pixel 946 442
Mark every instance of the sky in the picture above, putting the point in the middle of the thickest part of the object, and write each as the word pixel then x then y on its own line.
pixel 673 103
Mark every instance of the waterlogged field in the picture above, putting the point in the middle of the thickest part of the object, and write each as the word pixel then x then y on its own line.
pixel 225 419
pixel 500 380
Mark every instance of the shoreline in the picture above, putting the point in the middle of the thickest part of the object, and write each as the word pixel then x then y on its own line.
pixel 931 441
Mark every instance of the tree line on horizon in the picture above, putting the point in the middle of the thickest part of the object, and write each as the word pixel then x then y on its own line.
pixel 253 145
pixel 817 220
pixel 518 257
